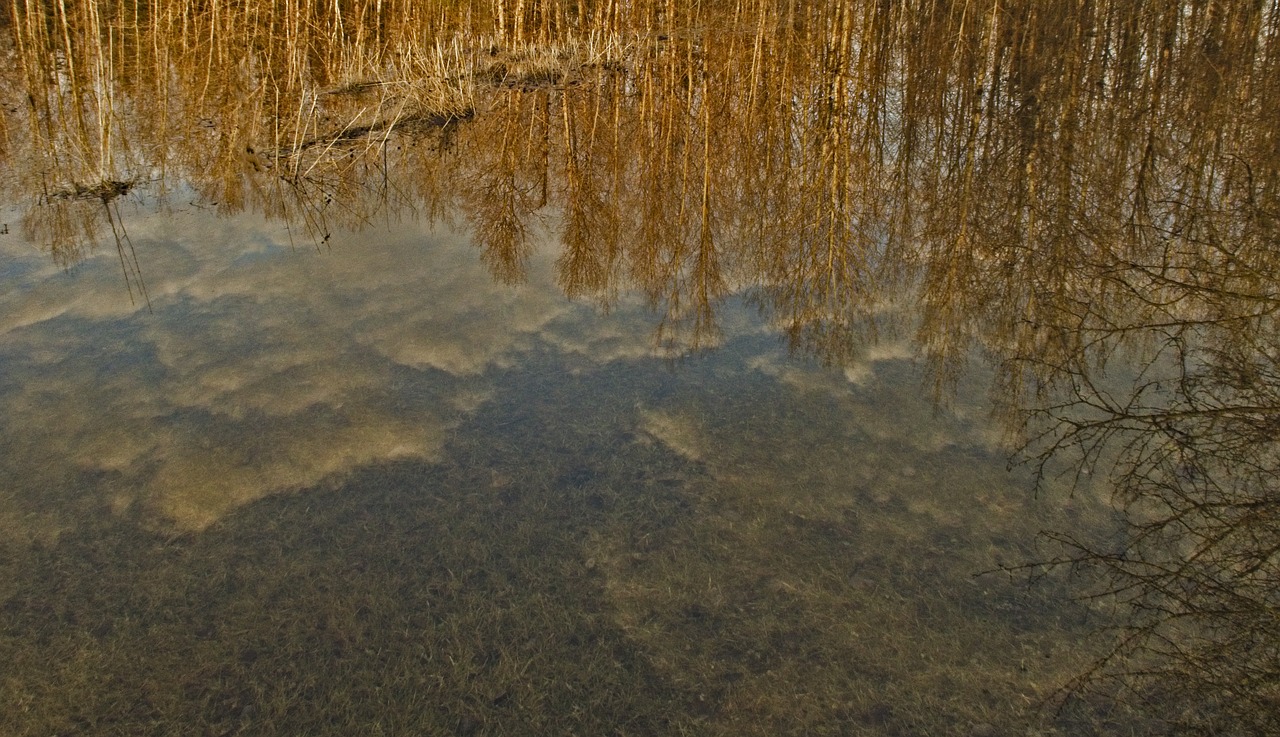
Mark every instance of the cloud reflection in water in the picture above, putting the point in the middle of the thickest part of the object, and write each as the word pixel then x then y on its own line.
pixel 260 369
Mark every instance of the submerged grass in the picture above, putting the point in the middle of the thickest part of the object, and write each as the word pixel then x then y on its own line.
pixel 719 560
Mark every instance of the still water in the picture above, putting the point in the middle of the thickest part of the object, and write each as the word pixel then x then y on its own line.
pixel 310 491
pixel 405 367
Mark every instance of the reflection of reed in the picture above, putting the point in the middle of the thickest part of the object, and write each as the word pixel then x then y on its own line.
pixel 828 137
pixel 504 188
pixel 815 153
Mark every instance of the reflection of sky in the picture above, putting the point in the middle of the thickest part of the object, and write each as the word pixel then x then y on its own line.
pixel 260 368
pixel 263 368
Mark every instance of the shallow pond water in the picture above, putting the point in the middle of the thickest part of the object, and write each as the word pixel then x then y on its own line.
pixel 407 367
pixel 318 489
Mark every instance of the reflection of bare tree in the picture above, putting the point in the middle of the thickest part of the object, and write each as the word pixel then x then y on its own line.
pixel 1190 444
pixel 590 230
pixel 1192 450
pixel 506 183
pixel 1102 246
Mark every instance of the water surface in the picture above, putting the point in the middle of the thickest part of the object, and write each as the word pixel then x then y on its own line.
pixel 637 370
pixel 368 484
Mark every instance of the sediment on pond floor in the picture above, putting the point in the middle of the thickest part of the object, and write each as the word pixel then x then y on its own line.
pixel 678 568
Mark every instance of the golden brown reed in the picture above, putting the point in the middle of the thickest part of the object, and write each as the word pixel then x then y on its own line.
pixel 828 136
pixel 1003 153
